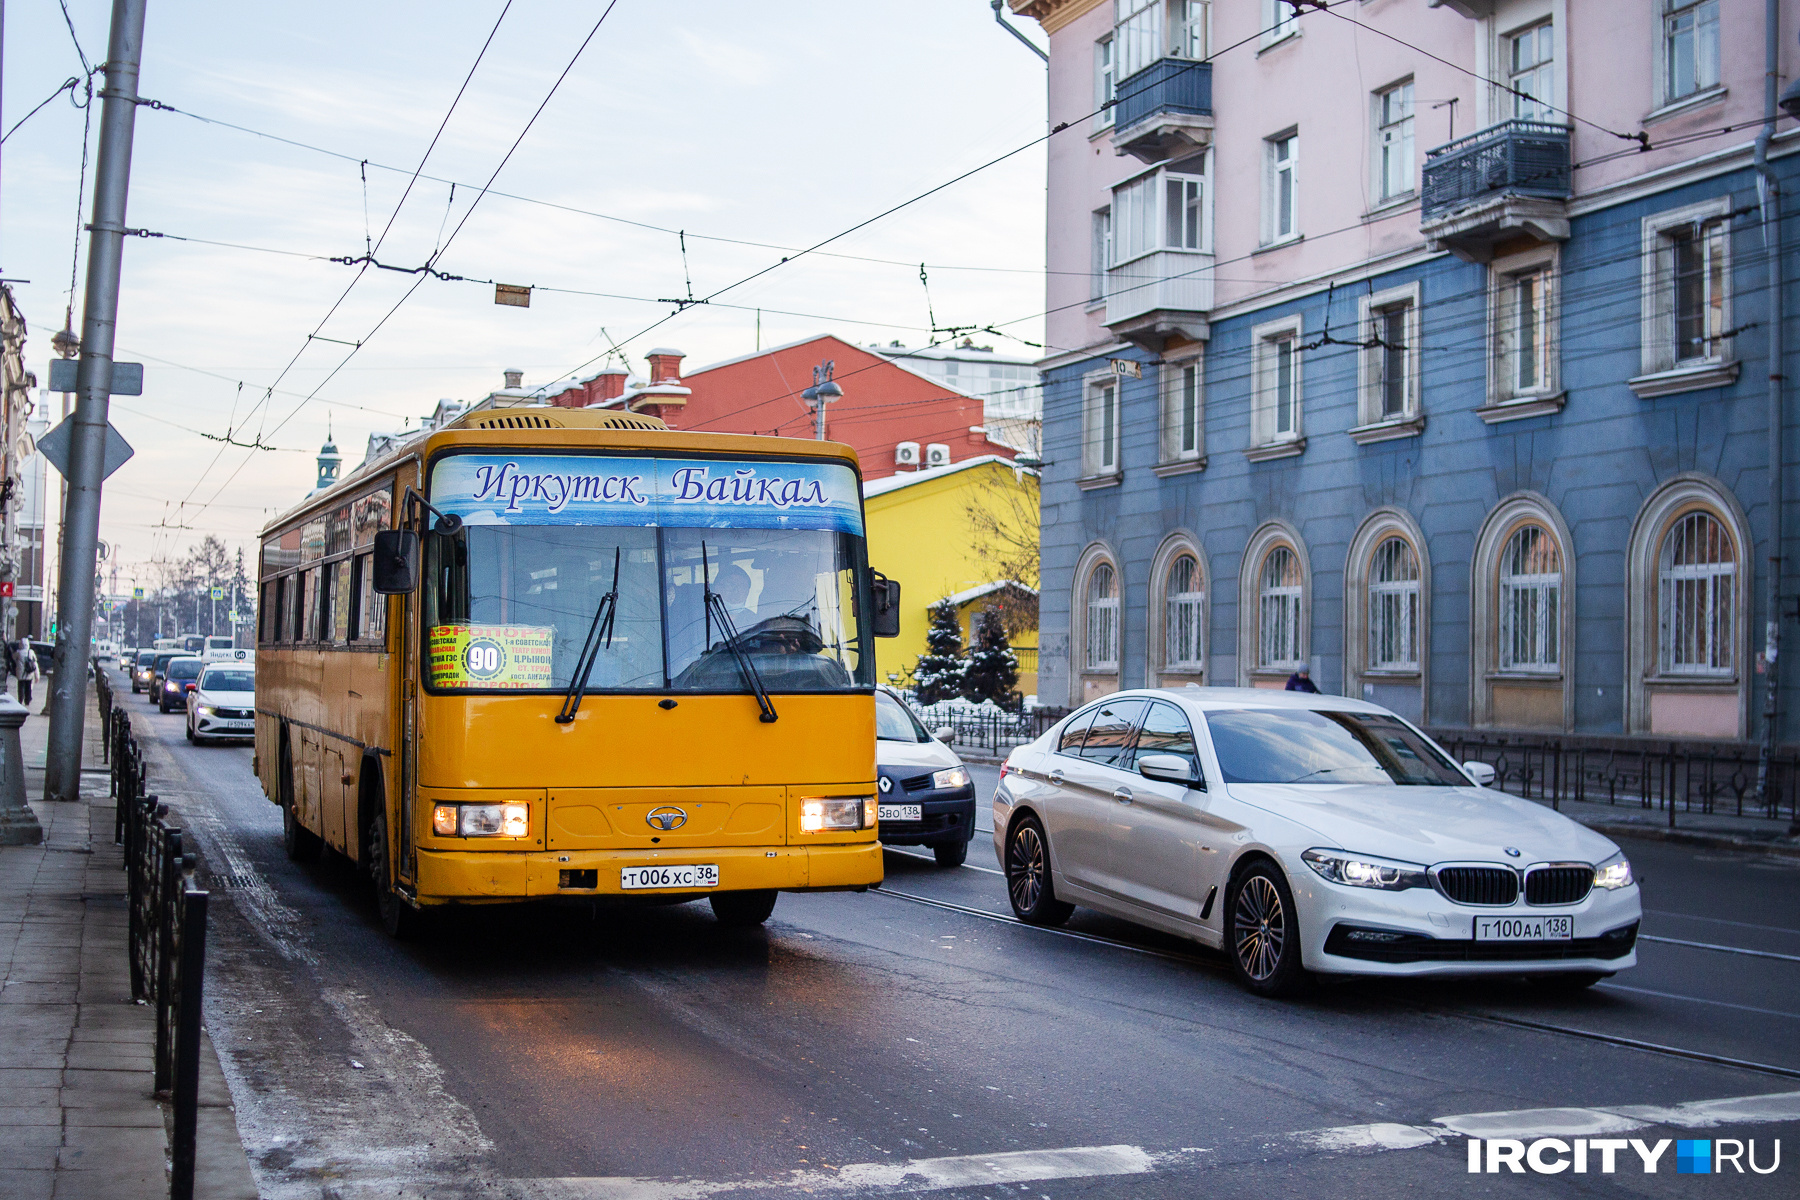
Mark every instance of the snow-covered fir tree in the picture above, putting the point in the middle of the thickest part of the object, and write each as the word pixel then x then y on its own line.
pixel 991 671
pixel 939 673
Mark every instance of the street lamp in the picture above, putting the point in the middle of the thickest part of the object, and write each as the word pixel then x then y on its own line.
pixel 822 392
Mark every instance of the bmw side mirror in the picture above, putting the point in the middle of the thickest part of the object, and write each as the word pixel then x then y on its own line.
pixel 1480 772
pixel 396 562
pixel 887 605
pixel 1170 768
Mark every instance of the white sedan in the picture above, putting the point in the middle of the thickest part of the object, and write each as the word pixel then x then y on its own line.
pixel 222 705
pixel 1305 834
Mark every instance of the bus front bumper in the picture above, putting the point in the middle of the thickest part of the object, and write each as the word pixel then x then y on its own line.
pixel 451 876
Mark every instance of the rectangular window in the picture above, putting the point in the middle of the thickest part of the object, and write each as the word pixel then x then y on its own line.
pixel 1690 34
pixel 1686 320
pixel 321 612
pixel 1134 220
pixel 1105 85
pixel 1528 324
pixel 1182 211
pixel 1394 137
pixel 1531 56
pixel 1102 254
pixel 1389 358
pixel 1275 366
pixel 1395 380
pixel 341 597
pixel 1525 306
pixel 1283 351
pixel 1279 20
pixel 1192 19
pixel 1281 199
pixel 371 608
pixel 1181 439
pixel 1100 441
pixel 305 596
pixel 1697 252
pixel 1137 35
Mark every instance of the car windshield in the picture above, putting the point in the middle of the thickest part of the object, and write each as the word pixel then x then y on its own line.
pixel 184 668
pixel 162 661
pixel 1264 745
pixel 229 681
pixel 510 599
pixel 893 723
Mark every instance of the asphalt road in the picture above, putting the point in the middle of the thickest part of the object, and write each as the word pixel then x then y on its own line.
pixel 917 1038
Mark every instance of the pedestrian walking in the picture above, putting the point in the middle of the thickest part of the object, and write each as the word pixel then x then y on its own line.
pixel 1299 681
pixel 25 666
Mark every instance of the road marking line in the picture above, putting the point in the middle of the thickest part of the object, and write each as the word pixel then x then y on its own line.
pixel 1769 1012
pixel 1658 912
pixel 1669 941
pixel 1583 1122
pixel 1614 1039
pixel 1068 933
pixel 966 866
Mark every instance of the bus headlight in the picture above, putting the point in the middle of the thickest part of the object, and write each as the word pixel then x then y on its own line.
pixel 837 812
pixel 481 820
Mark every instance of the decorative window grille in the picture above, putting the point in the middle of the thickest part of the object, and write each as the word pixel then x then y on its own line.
pixel 1184 621
pixel 1279 619
pixel 1394 607
pixel 1102 620
pixel 1530 601
pixel 1699 597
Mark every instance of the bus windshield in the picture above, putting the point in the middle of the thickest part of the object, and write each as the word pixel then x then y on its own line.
pixel 508 605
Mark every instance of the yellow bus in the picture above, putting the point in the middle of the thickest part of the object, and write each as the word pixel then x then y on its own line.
pixel 556 652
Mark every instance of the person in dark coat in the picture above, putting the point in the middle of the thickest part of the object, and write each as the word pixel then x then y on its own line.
pixel 1301 681
pixel 25 666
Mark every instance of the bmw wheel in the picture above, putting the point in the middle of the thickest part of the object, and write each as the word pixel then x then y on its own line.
pixel 1028 884
pixel 1262 934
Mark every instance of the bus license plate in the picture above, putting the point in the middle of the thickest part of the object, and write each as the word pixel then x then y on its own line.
pixel 1524 929
pixel 898 812
pixel 693 875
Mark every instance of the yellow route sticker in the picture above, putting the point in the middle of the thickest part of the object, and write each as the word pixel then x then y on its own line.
pixel 489 656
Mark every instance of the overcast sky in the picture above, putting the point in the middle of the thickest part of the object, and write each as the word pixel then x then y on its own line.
pixel 771 122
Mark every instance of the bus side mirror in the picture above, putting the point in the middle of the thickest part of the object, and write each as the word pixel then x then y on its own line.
pixel 396 562
pixel 887 606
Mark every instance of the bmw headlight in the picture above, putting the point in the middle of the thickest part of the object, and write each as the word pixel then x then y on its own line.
pixel 1614 873
pixel 955 777
pixel 1356 870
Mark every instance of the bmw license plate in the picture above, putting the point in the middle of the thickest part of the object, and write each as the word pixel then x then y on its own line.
pixel 1524 929
pixel 898 812
pixel 691 875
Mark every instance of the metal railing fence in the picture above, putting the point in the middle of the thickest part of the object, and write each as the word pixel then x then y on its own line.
pixel 990 730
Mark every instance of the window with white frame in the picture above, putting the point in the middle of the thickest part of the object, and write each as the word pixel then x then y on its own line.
pixel 1690 47
pixel 1279 20
pixel 1134 224
pixel 1524 314
pixel 1530 601
pixel 1280 597
pixel 1394 607
pixel 1275 411
pixel 1192 22
pixel 1164 210
pixel 1281 187
pixel 1102 254
pixel 1100 434
pixel 1102 619
pixel 1105 81
pixel 1531 58
pixel 1687 278
pixel 1184 619
pixel 1137 35
pixel 1182 439
pixel 1698 568
pixel 1184 212
pixel 1390 355
pixel 1394 140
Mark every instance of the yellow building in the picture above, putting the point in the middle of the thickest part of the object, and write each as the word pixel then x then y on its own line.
pixel 962 532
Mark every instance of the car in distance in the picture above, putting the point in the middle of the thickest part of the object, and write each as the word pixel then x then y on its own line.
pixel 142 669
pixel 159 667
pixel 1305 835
pixel 222 705
pixel 179 679
pixel 926 796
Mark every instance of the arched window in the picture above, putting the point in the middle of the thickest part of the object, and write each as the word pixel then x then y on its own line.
pixel 1278 626
pixel 1530 601
pixel 1394 607
pixel 1184 622
pixel 1102 619
pixel 1698 597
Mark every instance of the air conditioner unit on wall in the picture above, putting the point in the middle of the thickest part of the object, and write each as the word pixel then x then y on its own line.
pixel 937 455
pixel 906 454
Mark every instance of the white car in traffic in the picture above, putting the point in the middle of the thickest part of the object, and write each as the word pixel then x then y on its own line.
pixel 222 705
pixel 1305 834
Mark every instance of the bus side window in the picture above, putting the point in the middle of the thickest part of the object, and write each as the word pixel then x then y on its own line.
pixel 303 589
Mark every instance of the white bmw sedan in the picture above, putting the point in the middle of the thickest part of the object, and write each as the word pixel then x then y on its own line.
pixel 1305 834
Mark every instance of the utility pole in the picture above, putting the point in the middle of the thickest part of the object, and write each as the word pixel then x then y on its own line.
pixel 93 382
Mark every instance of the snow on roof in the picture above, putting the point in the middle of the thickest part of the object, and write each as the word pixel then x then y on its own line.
pixel 893 483
pixel 987 589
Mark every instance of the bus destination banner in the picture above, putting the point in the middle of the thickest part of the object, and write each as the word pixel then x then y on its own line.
pixel 489 656
pixel 571 489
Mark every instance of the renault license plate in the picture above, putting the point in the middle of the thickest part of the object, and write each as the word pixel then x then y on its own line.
pixel 1524 929
pixel 898 812
pixel 690 875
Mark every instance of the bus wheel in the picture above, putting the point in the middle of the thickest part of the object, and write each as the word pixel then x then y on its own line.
pixel 302 844
pixel 400 919
pixel 742 910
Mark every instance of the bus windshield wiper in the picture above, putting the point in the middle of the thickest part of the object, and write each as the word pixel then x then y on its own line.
pixel 600 628
pixel 716 611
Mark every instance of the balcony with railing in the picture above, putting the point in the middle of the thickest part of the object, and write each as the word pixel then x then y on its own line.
pixel 1165 110
pixel 1508 179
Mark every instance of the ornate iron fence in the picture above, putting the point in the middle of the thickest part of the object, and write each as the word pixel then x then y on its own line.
pixel 989 730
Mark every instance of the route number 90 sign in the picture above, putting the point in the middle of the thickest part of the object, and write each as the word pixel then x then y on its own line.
pixel 489 656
